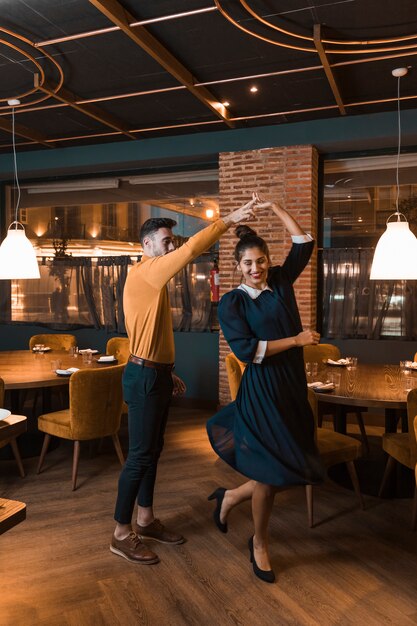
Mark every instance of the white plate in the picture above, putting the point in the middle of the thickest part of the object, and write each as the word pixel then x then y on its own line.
pixel 45 349
pixel 4 413
pixel 106 359
pixel 84 350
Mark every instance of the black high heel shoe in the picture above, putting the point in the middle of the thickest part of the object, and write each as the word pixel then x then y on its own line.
pixel 218 495
pixel 267 575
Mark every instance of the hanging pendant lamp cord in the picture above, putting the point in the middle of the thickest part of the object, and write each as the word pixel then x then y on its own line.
pixel 15 171
pixel 399 148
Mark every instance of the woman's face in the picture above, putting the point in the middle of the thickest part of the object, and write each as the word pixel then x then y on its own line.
pixel 254 266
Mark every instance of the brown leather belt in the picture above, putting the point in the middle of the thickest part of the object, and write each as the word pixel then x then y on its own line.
pixel 156 366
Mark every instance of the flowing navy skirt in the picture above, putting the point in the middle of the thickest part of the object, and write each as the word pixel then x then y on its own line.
pixel 267 434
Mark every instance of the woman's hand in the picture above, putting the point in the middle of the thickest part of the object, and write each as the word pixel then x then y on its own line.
pixel 289 222
pixel 179 385
pixel 307 338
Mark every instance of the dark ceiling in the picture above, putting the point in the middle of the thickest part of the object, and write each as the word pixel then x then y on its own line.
pixel 100 79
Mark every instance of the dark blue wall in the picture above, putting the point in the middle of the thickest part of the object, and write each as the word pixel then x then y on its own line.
pixel 338 134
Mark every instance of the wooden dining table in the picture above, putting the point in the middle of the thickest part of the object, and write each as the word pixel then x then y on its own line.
pixel 368 386
pixel 23 370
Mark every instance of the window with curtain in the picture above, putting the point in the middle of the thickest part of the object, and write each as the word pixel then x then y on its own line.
pixel 359 195
pixel 86 233
pixel 76 292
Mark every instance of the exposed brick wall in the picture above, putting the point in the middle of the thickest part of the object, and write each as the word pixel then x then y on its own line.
pixel 289 175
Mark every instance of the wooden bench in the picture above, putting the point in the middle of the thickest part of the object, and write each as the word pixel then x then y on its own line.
pixel 12 512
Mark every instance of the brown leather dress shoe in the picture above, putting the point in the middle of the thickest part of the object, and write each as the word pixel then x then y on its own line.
pixel 156 530
pixel 132 549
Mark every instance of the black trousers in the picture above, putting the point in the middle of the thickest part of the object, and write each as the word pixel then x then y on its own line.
pixel 148 393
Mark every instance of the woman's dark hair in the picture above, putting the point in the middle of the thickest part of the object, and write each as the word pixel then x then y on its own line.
pixel 248 239
pixel 151 226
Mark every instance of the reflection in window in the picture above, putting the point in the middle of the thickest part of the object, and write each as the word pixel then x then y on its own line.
pixel 359 196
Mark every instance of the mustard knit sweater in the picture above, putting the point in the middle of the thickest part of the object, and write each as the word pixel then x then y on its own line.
pixel 145 298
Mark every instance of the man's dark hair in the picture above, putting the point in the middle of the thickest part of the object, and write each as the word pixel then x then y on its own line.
pixel 152 225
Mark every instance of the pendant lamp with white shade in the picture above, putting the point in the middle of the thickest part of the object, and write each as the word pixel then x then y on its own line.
pixel 395 255
pixel 17 256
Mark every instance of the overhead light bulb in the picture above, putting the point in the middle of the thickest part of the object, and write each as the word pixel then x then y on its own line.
pixel 17 256
pixel 253 89
pixel 395 255
pixel 209 213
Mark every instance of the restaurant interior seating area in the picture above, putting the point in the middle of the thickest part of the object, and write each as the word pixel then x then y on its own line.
pixel 113 112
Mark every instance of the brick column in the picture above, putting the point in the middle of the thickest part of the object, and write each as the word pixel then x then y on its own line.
pixel 290 175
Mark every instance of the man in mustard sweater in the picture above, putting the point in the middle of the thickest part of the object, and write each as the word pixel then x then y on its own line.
pixel 148 381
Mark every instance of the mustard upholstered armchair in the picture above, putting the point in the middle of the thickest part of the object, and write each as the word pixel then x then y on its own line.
pixel 402 448
pixel 415 357
pixel 12 440
pixel 119 347
pixel 321 352
pixel 317 354
pixel 94 412
pixel 54 341
pixel 234 369
pixel 334 448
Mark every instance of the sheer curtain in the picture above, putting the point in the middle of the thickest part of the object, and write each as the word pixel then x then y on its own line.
pixel 77 292
pixel 356 307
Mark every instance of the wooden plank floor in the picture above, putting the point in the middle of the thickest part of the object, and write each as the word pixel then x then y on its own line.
pixel 355 567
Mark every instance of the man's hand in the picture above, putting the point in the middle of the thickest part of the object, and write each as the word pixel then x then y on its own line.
pixel 179 386
pixel 243 214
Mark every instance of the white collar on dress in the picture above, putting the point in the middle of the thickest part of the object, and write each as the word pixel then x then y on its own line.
pixel 252 291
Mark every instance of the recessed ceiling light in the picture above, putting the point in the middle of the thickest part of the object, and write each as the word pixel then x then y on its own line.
pixel 226 103
pixel 253 89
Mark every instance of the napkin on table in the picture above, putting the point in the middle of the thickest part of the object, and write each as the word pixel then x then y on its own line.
pixel 339 362
pixel 320 385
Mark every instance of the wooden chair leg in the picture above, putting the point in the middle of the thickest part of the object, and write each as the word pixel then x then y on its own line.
pixel 18 458
pixel 355 482
pixel 118 448
pixel 75 459
pixel 388 470
pixel 364 436
pixel 44 450
pixel 309 498
pixel 414 519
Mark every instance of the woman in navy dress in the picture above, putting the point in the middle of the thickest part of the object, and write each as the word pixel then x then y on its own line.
pixel 267 434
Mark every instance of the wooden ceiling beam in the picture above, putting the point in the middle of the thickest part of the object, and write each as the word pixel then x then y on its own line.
pixel 23 131
pixel 67 97
pixel 117 14
pixel 328 70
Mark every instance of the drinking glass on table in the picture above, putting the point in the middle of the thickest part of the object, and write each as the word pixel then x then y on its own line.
pixel 87 357
pixel 312 371
pixel 408 383
pixel 56 364
pixel 352 362
pixel 73 351
pixel 334 377
pixel 404 366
